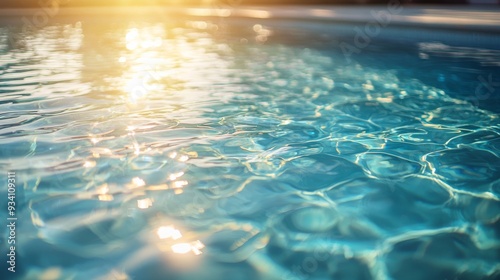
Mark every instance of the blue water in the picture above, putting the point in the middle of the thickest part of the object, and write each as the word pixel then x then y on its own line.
pixel 220 149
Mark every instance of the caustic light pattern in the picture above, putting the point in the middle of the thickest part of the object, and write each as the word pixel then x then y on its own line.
pixel 208 150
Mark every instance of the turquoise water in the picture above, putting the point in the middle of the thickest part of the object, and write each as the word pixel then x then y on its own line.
pixel 220 149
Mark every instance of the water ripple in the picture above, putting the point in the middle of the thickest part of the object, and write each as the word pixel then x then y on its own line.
pixel 198 150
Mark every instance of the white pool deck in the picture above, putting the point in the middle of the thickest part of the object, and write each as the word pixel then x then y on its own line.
pixel 471 18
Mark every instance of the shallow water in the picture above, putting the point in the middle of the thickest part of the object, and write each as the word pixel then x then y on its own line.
pixel 218 149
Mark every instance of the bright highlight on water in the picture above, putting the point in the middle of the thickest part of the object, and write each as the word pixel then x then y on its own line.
pixel 247 149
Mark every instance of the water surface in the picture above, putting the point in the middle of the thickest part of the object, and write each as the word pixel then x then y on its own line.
pixel 247 149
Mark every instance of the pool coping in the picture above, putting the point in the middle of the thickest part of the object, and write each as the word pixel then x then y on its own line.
pixel 459 18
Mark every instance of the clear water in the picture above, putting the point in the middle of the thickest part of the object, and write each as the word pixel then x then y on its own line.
pixel 191 149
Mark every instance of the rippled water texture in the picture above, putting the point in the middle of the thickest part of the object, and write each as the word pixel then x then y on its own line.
pixel 189 149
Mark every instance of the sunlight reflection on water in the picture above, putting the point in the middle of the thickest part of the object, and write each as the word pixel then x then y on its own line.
pixel 197 150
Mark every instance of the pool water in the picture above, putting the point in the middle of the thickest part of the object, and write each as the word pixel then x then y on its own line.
pixel 247 149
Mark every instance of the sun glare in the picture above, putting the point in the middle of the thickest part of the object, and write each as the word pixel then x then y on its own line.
pixel 142 59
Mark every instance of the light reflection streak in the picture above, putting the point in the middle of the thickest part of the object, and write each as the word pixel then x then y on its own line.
pixel 165 232
pixel 180 184
pixel 138 182
pixel 94 140
pixel 142 59
pixel 140 84
pixel 174 176
pixel 183 158
pixel 184 248
pixel 173 155
pixel 171 233
pixel 135 183
pixel 253 13
pixel 103 193
pixel 103 189
pixel 144 203
pixel 89 164
pixel 97 152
